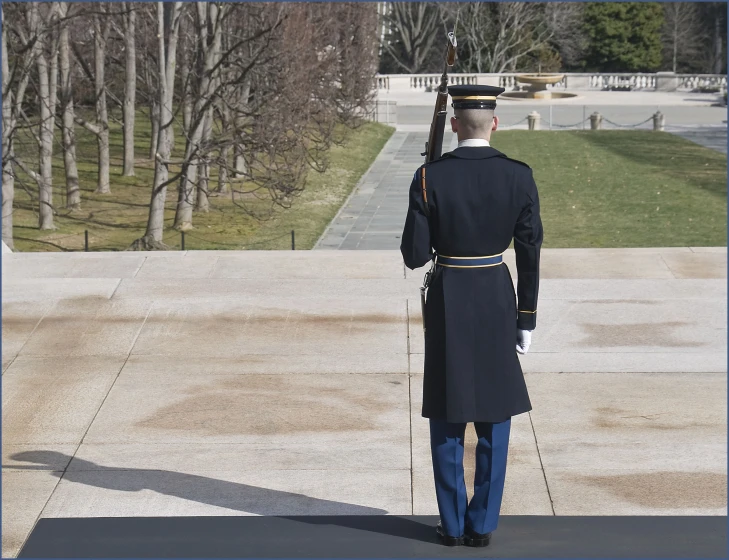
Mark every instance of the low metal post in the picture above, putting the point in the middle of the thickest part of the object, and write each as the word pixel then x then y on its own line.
pixel 533 118
pixel 86 240
pixel 293 240
pixel 182 235
pixel 595 121
pixel 659 121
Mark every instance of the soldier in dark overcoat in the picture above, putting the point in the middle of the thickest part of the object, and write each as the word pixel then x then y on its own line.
pixel 464 210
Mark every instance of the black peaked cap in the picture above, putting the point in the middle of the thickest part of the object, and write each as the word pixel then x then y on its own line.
pixel 474 97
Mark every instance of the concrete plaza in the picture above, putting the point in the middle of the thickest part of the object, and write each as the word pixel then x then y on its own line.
pixel 285 383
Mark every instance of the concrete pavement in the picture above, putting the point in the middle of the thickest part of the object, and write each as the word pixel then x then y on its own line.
pixel 272 383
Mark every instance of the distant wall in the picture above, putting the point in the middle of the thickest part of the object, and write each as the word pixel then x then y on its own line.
pixel 661 81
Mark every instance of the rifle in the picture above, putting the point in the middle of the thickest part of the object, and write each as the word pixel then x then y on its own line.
pixel 434 145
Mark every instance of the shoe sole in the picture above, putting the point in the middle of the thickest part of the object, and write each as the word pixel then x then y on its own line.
pixel 450 541
pixel 447 540
pixel 476 542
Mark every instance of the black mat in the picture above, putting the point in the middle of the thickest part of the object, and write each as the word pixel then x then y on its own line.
pixel 373 536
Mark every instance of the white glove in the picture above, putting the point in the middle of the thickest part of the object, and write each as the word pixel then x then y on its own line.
pixel 523 341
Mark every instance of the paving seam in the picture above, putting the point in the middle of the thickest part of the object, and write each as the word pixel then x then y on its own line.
pixel 53 305
pixel 10 363
pixel 410 413
pixel 120 280
pixel 541 463
pixel 667 267
pixel 144 260
pixel 215 265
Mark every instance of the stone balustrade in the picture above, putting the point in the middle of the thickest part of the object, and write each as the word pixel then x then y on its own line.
pixel 660 81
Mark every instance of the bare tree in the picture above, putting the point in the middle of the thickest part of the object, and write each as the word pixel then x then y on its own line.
pixel 494 37
pixel 411 29
pixel 208 29
pixel 40 20
pixel 147 74
pixel 15 81
pixel 682 34
pixel 564 20
pixel 8 187
pixel 34 46
pixel 68 132
pixel 100 29
pixel 130 85
pixel 168 27
pixel 354 36
pixel 102 26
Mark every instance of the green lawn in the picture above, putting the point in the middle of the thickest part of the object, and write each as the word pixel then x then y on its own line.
pixel 597 189
pixel 624 188
pixel 115 220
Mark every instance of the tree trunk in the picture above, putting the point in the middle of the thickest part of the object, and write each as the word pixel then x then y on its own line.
pixel 102 116
pixel 224 151
pixel 240 162
pixel 168 24
pixel 223 170
pixel 718 66
pixel 154 123
pixel 53 77
pixel 8 192
pixel 45 177
pixel 203 193
pixel 68 128
pixel 186 93
pixel 8 186
pixel 130 87
pixel 675 44
pixel 188 182
pixel 195 173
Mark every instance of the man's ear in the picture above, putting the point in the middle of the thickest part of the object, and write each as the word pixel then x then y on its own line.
pixel 495 124
pixel 454 124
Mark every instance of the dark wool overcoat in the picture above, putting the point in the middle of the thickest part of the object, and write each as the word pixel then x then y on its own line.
pixel 478 201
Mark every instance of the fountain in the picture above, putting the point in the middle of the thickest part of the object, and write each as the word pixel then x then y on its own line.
pixel 538 87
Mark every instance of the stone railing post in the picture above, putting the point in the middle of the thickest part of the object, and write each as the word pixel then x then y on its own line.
pixel 595 121
pixel 666 81
pixel 659 121
pixel 534 119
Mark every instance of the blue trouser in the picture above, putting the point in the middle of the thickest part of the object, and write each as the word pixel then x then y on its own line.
pixel 446 444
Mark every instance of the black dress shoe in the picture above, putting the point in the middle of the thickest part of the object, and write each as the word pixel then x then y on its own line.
pixel 472 538
pixel 446 539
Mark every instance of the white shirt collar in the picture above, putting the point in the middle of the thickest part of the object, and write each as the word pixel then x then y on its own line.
pixel 473 143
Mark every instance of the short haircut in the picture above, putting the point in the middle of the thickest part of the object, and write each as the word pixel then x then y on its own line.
pixel 475 122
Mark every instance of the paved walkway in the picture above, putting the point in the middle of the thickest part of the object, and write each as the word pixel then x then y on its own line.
pixel 373 216
pixel 711 136
pixel 289 383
